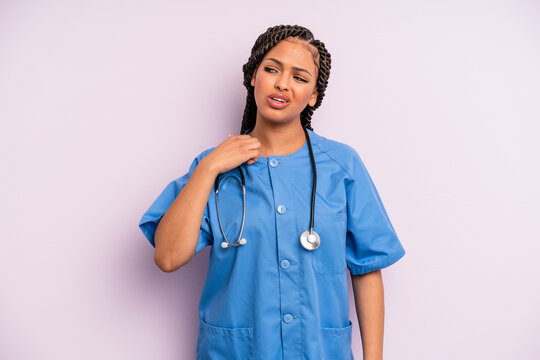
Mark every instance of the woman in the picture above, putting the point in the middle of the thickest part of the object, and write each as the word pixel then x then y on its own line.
pixel 276 286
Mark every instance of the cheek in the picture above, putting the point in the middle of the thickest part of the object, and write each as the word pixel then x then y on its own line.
pixel 260 84
pixel 304 94
pixel 259 93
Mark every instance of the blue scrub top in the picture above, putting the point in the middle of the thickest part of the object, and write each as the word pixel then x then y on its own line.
pixel 271 298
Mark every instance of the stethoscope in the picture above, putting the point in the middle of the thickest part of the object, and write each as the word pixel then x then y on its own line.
pixel 309 239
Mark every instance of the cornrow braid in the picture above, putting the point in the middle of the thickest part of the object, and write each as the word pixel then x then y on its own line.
pixel 263 44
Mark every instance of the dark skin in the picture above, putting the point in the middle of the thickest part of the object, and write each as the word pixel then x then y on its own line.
pixel 279 132
pixel 369 299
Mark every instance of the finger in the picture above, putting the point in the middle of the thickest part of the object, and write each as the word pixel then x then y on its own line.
pixel 254 159
pixel 253 146
pixel 254 141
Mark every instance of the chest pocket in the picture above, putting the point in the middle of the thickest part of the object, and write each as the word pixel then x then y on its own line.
pixel 329 257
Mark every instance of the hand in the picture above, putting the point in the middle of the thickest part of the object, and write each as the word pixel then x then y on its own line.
pixel 233 151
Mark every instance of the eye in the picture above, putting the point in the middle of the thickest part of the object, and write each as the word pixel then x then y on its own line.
pixel 269 69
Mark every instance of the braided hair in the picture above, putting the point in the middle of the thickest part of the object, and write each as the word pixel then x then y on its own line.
pixel 263 44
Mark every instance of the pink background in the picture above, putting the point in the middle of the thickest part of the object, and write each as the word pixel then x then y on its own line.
pixel 102 103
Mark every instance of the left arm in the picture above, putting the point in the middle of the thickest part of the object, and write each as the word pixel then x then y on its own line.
pixel 369 299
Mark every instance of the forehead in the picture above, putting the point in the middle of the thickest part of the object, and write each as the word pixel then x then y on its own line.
pixel 293 53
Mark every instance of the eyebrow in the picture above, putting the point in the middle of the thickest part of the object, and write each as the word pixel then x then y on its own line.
pixel 294 67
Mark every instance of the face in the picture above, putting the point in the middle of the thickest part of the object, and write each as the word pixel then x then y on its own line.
pixel 288 70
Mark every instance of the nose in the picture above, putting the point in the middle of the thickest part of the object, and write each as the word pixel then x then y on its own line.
pixel 282 83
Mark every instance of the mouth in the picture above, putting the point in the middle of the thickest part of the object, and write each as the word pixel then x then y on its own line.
pixel 278 101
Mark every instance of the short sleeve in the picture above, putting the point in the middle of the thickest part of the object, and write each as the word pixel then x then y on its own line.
pixel 372 243
pixel 155 212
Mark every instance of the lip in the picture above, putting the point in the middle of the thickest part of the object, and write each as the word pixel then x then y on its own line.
pixel 277 104
pixel 280 96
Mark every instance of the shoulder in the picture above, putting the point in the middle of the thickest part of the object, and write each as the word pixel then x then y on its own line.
pixel 341 153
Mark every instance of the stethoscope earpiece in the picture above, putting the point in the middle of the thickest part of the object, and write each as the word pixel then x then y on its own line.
pixel 309 239
pixel 226 244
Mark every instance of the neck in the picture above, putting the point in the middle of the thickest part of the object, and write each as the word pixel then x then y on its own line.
pixel 279 140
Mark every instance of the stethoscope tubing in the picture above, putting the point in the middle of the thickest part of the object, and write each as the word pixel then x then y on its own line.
pixel 216 187
pixel 314 189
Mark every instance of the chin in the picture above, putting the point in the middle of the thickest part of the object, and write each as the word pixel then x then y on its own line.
pixel 272 114
pixel 276 118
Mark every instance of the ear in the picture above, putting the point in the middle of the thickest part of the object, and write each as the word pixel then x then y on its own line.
pixel 253 77
pixel 313 98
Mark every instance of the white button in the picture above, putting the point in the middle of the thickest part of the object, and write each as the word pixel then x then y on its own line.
pixel 274 162
pixel 288 318
pixel 281 209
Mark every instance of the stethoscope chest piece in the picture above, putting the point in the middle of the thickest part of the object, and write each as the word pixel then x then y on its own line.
pixel 310 241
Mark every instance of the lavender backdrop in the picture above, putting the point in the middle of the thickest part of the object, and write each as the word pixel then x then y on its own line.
pixel 103 102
